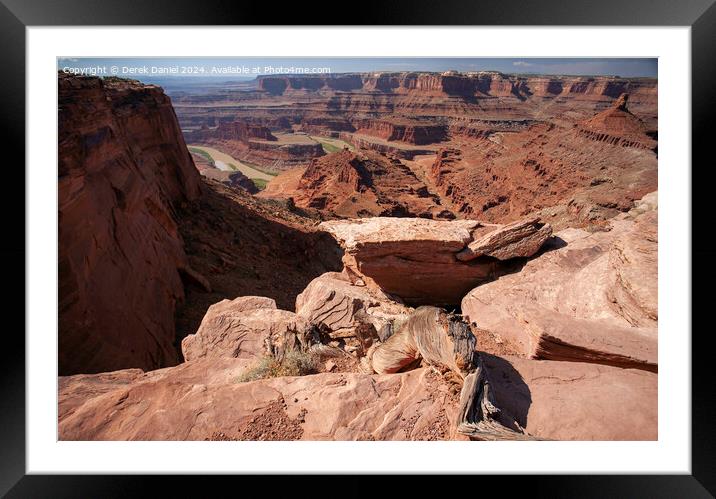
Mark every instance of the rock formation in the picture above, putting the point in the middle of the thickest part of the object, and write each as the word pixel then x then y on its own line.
pixel 350 312
pixel 402 130
pixel 554 172
pixel 518 239
pixel 618 126
pixel 247 327
pixel 478 84
pixel 399 150
pixel 594 299
pixel 504 146
pixel 256 144
pixel 124 170
pixel 202 401
pixel 346 183
pixel 233 179
pixel 424 261
pixel 518 398
pixel 273 155
pixel 233 130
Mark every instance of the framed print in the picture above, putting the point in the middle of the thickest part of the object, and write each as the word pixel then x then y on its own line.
pixel 254 248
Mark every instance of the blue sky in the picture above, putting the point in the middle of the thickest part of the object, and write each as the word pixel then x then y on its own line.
pixel 627 67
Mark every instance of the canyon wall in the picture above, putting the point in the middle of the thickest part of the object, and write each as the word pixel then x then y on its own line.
pixel 482 83
pixel 232 130
pixel 123 170
pixel 403 131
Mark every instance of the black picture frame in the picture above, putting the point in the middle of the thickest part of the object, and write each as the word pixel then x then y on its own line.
pixel 700 15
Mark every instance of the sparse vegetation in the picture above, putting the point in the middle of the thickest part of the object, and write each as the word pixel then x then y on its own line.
pixel 293 363
pixel 260 183
pixel 329 148
pixel 203 154
pixel 260 168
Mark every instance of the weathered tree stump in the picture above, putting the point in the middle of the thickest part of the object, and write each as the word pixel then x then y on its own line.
pixel 444 340
pixel 479 417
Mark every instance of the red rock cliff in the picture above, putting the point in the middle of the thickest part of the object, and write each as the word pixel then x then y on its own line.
pixel 123 169
pixel 477 84
pixel 412 133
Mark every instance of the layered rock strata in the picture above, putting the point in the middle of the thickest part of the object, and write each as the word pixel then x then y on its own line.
pixel 358 184
pixel 591 298
pixel 124 169
pixel 349 311
pixel 417 259
pixel 618 126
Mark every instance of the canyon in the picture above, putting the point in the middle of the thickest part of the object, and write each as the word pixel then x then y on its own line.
pixel 484 145
pixel 442 256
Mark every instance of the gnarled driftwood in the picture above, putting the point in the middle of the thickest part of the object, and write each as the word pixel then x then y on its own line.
pixel 444 341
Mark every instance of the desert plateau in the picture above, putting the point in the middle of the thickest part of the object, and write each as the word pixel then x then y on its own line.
pixel 385 255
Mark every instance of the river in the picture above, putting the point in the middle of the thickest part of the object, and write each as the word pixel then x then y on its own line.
pixel 223 160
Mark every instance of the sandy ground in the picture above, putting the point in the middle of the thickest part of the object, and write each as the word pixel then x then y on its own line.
pixel 222 160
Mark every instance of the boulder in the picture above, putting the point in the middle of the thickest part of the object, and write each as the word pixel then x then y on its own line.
pixel 518 239
pixel 345 309
pixel 247 327
pixel 591 297
pixel 426 261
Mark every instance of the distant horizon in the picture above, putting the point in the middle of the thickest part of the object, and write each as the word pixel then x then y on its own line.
pixel 227 69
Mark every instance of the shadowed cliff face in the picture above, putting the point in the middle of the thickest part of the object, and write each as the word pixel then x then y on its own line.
pixel 123 170
pixel 248 246
pixel 131 208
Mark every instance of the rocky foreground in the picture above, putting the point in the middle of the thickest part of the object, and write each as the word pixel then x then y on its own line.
pixel 564 347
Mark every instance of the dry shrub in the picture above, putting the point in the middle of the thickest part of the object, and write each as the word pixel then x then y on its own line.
pixel 293 363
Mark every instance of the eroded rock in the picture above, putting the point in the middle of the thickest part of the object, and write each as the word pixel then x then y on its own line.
pixel 348 310
pixel 247 327
pixel 201 400
pixel 123 172
pixel 593 299
pixel 418 259
pixel 518 239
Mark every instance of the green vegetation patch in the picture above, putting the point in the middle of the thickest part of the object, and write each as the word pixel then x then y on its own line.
pixel 260 183
pixel 293 363
pixel 329 148
pixel 204 154
pixel 260 168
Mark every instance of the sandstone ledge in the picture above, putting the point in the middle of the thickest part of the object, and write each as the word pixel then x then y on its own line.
pixel 432 262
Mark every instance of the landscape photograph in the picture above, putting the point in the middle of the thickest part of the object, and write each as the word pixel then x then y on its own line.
pixel 363 248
